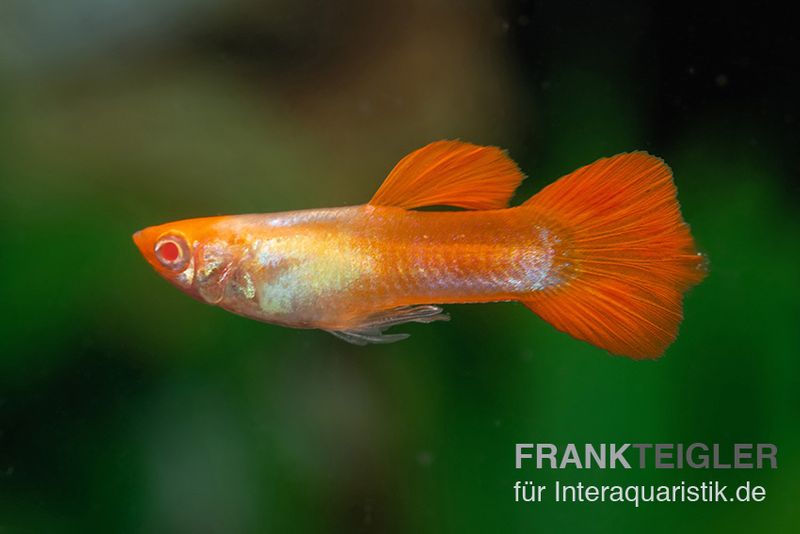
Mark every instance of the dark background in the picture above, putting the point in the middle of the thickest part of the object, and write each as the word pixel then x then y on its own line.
pixel 127 407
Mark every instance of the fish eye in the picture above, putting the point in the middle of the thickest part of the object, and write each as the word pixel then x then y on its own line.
pixel 172 252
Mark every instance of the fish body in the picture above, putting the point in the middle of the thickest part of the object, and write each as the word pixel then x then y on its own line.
pixel 330 268
pixel 355 271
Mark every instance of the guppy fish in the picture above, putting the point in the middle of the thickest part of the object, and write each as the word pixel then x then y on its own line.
pixel 602 254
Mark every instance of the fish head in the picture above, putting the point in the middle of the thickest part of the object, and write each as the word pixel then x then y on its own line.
pixel 190 254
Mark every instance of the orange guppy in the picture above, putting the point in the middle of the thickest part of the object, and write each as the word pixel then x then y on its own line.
pixel 602 254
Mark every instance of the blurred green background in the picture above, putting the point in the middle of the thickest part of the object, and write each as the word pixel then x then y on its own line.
pixel 127 407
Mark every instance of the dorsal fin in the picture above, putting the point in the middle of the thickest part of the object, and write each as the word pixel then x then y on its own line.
pixel 451 173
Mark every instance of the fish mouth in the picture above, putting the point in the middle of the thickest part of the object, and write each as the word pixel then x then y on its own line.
pixel 144 242
pixel 138 239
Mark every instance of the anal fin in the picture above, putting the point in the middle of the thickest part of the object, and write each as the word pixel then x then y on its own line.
pixel 371 330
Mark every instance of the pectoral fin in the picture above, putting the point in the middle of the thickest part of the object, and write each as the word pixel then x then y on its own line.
pixel 451 173
pixel 372 328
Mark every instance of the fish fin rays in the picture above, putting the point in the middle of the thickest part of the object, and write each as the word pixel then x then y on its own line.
pixel 371 329
pixel 367 337
pixel 632 256
pixel 451 173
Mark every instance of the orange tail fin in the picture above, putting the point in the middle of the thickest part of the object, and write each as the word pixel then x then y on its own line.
pixel 630 255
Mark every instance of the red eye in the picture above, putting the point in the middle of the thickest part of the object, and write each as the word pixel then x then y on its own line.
pixel 168 251
pixel 173 252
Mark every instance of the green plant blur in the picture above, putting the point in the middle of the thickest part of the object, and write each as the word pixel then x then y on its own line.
pixel 127 407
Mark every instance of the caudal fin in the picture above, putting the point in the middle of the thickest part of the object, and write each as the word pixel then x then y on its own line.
pixel 630 255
